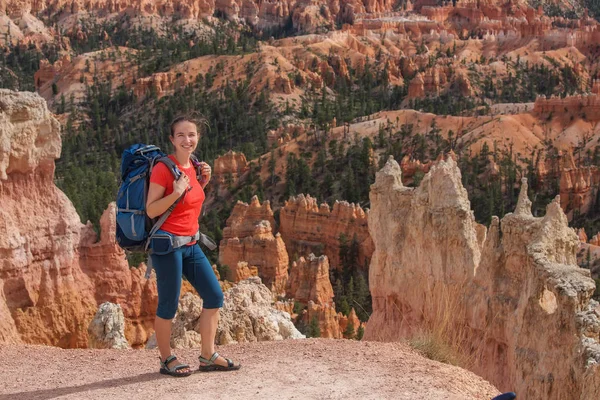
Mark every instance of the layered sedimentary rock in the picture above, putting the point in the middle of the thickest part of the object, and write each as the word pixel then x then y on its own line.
pixel 229 167
pixel 579 189
pixel 514 293
pixel 416 88
pixel 307 16
pixel 54 271
pixel 308 228
pixel 8 330
pixel 107 329
pixel 185 8
pixel 104 262
pixel 49 297
pixel 310 285
pixel 309 280
pixel 248 237
pixel 585 106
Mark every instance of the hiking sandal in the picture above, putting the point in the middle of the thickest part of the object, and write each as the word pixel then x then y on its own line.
pixel 173 371
pixel 209 365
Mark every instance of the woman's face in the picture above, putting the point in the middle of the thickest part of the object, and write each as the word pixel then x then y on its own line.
pixel 185 137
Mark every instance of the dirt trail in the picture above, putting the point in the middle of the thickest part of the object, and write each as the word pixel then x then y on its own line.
pixel 293 369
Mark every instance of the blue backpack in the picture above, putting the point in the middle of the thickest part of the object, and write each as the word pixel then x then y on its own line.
pixel 134 227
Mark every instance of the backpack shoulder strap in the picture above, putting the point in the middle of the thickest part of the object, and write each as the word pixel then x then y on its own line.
pixel 197 166
pixel 176 174
pixel 170 165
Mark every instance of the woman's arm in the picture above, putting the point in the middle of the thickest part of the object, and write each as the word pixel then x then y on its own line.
pixel 156 204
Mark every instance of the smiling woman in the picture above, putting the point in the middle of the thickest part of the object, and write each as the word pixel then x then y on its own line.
pixel 175 252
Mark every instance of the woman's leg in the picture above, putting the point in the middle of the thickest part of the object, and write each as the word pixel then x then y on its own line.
pixel 199 272
pixel 168 282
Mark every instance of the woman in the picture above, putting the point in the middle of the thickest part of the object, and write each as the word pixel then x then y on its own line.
pixel 187 260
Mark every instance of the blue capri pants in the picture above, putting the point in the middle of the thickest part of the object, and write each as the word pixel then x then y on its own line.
pixel 190 262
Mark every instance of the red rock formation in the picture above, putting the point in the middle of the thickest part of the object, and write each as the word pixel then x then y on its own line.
pixel 48 72
pixel 351 318
pixel 240 271
pixel 411 166
pixel 307 228
pixel 327 73
pixel 282 84
pixel 579 189
pixel 50 299
pixel 248 237
pixel 581 235
pixel 284 134
pixel 104 262
pixel 431 81
pixel 464 84
pixel 309 280
pixel 416 88
pixel 229 167
pixel 328 318
pixel 185 8
pixel 8 330
pixel 54 274
pixel 585 106
pixel 514 293
pixel 340 67
pixel 244 218
pixel 596 87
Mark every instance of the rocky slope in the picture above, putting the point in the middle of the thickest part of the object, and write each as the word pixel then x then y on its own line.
pixel 512 297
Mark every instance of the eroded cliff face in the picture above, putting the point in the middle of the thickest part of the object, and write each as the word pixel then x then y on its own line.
pixel 248 241
pixel 512 298
pixel 114 281
pixel 308 228
pixel 228 170
pixel 307 16
pixel 310 285
pixel 54 272
pixel 50 299
pixel 579 189
pixel 249 248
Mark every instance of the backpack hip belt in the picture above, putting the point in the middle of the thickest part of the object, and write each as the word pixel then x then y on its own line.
pixel 179 241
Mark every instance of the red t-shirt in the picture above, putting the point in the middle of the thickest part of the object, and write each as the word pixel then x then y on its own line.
pixel 183 221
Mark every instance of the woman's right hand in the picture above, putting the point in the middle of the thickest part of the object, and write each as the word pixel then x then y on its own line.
pixel 181 185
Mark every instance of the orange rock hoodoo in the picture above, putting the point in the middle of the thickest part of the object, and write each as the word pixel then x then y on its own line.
pixel 308 228
pixel 514 291
pixel 54 276
pixel 248 238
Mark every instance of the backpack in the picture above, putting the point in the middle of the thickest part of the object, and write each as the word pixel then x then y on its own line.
pixel 134 227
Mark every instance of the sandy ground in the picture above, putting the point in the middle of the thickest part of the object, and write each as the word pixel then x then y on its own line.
pixel 294 369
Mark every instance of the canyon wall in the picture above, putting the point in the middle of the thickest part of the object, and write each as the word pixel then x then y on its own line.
pixel 54 271
pixel 50 299
pixel 308 228
pixel 510 298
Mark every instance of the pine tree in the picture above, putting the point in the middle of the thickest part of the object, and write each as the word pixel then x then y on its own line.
pixel 313 328
pixel 349 331
pixel 360 332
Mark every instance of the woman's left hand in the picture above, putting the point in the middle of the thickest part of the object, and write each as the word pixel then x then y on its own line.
pixel 205 172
